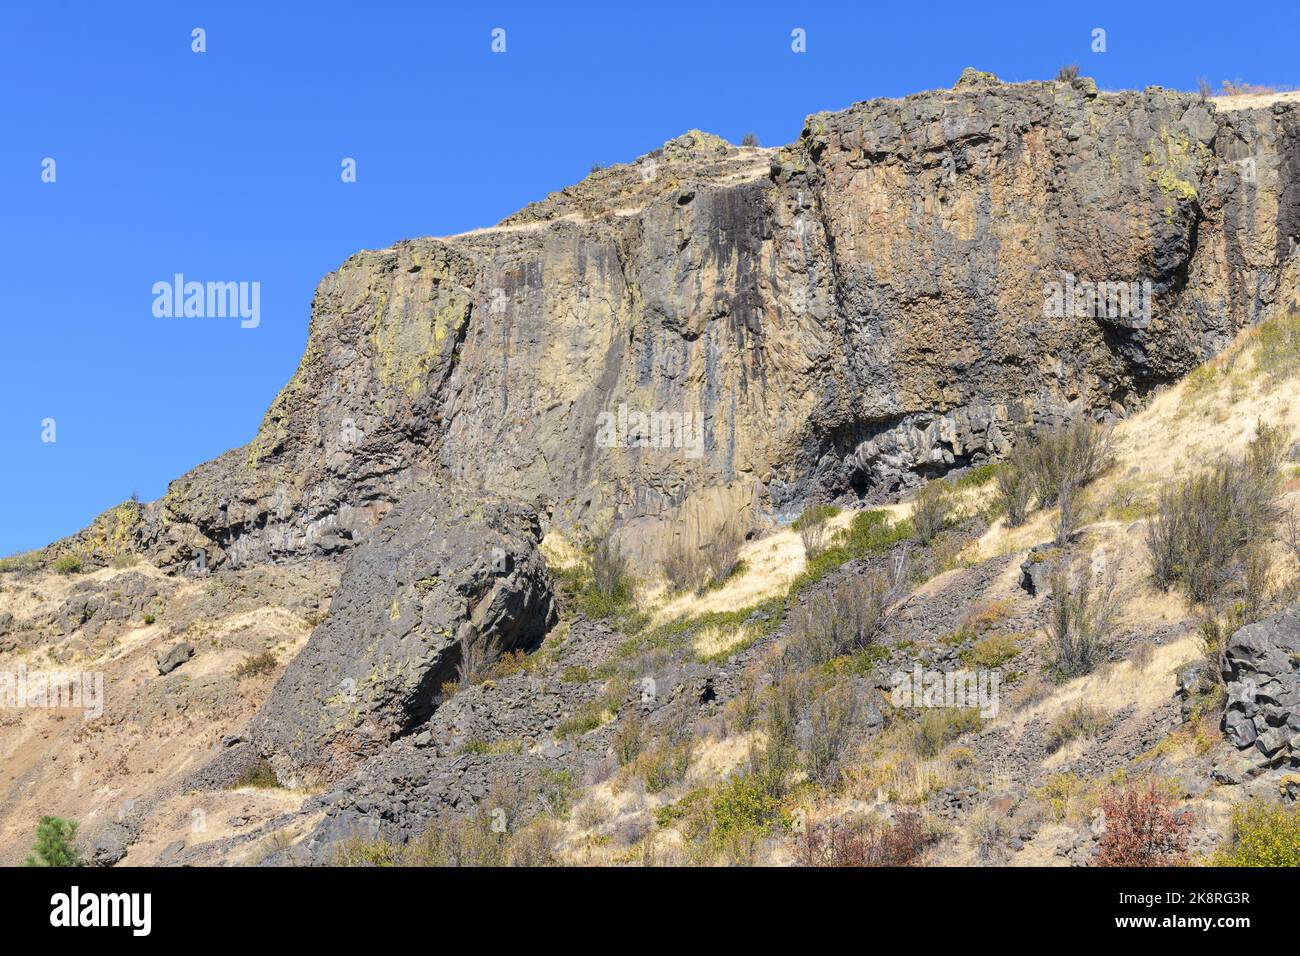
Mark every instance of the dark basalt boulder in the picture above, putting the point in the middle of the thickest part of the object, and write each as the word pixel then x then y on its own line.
pixel 1261 668
pixel 442 568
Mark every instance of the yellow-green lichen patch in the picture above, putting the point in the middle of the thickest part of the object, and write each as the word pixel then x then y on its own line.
pixel 408 346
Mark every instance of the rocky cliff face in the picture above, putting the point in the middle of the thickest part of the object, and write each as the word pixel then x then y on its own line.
pixel 849 314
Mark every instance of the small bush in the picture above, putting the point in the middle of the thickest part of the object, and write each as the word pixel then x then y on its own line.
pixel 695 561
pixel 1068 74
pixel 487 837
pixel 609 566
pixel 871 533
pixel 723 549
pixel 55 844
pixel 991 652
pixel 1142 829
pixel 743 812
pixel 67 564
pixel 931 511
pixel 990 833
pixel 1279 346
pixel 977 476
pixel 1211 532
pixel 1262 834
pixel 23 561
pixel 861 841
pixel 587 719
pixel 1014 489
pixel 1067 456
pixel 1079 722
pixel 259 775
pixel 842 619
pixel 629 738
pixel 940 726
pixel 785 703
pixel 256 665
pixel 814 515
pixel 1069 514
pixel 1080 616
pixel 831 727
pixel 811 526
pixel 749 139
pixel 663 766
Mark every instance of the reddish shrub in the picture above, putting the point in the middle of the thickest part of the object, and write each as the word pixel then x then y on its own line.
pixel 1142 829
pixel 862 842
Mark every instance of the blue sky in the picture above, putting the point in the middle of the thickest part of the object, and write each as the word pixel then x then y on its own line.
pixel 225 165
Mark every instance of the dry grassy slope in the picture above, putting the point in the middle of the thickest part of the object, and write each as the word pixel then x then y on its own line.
pixel 1215 411
pixel 154 728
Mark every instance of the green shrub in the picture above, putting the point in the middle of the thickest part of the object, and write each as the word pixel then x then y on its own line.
pixel 1262 834
pixel 978 476
pixel 742 810
pixel 1279 346
pixel 67 564
pixel 868 534
pixel 584 721
pixel 55 844
pixel 991 652
pixel 25 561
pixel 259 775
pixel 815 514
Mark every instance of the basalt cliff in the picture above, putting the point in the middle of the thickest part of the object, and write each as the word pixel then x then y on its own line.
pixel 845 315
pixel 902 292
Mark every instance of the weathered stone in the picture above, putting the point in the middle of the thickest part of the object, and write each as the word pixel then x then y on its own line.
pixel 175 657
pixel 107 844
pixel 1261 669
pixel 1036 570
pixel 441 568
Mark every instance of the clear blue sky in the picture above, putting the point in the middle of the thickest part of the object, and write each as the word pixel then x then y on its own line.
pixel 225 165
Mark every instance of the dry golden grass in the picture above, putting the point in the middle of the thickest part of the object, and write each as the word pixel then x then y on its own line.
pixel 1113 687
pixel 1253 101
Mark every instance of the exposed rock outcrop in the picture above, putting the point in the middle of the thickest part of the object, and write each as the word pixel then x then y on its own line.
pixel 895 294
pixel 442 569
pixel 1261 667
